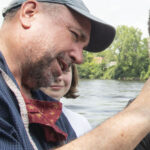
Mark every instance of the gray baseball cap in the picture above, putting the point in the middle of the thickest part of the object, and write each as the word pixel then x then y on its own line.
pixel 102 34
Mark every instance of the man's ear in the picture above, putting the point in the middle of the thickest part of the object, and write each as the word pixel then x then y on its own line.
pixel 27 12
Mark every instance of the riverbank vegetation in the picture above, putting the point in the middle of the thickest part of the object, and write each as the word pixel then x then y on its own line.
pixel 126 59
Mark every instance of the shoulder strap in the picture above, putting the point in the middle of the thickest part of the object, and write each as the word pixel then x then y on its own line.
pixel 23 110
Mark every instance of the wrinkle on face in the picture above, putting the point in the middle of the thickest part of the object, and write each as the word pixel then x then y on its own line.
pixel 47 52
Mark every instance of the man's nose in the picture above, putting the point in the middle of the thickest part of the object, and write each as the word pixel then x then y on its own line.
pixel 76 54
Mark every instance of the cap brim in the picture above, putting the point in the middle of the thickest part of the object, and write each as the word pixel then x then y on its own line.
pixel 102 34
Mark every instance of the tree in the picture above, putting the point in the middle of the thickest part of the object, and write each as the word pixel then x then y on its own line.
pixel 129 52
pixel 132 56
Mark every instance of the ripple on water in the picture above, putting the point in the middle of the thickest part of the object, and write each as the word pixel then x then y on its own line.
pixel 100 99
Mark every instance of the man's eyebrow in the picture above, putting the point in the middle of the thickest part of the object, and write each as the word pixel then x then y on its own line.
pixel 82 35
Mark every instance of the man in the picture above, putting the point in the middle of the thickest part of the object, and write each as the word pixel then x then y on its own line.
pixel 38 41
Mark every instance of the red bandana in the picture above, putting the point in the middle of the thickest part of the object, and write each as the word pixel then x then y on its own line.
pixel 46 114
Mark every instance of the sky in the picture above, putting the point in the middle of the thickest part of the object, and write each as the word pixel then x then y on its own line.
pixel 133 13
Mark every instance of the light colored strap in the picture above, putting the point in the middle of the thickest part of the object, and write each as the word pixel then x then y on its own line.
pixel 22 105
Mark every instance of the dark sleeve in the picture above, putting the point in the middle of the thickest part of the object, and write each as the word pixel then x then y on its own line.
pixel 129 102
pixel 145 143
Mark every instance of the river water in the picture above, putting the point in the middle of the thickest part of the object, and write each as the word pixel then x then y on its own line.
pixel 100 99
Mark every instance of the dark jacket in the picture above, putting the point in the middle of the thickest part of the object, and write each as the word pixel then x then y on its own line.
pixel 13 135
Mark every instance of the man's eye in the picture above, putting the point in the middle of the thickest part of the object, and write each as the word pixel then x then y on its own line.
pixel 76 37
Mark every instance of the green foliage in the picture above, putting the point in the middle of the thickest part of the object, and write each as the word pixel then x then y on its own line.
pixel 145 75
pixel 133 54
pixel 91 70
pixel 110 73
pixel 127 58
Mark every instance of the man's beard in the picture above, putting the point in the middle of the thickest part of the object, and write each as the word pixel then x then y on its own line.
pixel 38 74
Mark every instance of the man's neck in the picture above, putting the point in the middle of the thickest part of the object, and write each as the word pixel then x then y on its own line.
pixel 12 61
pixel 26 92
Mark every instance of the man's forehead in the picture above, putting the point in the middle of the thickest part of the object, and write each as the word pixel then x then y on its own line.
pixel 102 34
pixel 81 25
pixel 74 20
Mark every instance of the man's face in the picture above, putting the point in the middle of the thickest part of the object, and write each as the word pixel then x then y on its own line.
pixel 53 44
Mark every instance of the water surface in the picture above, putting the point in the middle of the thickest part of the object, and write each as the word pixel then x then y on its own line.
pixel 100 99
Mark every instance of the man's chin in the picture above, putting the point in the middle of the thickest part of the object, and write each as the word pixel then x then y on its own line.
pixel 36 84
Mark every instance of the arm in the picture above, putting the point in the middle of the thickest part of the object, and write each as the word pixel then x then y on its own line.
pixel 123 131
pixel 145 143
